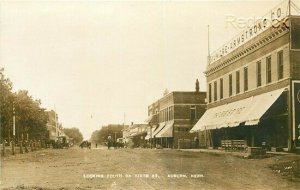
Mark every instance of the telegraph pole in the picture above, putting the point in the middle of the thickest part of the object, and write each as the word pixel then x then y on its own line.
pixel 56 125
pixel 208 46
pixel 14 130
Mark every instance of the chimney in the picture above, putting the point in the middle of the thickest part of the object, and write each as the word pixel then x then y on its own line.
pixel 197 86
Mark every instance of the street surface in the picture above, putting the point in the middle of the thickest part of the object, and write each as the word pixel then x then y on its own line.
pixel 100 168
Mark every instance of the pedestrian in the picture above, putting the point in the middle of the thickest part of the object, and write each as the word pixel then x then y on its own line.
pixel 196 142
pixel 96 145
pixel 108 141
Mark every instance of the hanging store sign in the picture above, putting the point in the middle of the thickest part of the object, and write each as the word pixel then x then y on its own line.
pixel 275 18
pixel 296 112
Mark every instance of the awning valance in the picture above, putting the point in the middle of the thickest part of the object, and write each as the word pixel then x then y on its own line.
pixel 167 131
pixel 248 111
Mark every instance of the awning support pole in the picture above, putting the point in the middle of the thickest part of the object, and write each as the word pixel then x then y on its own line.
pixel 205 137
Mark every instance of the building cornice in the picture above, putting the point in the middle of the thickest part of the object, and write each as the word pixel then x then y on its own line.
pixel 258 42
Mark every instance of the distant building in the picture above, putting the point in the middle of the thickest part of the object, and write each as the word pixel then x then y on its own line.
pixel 172 116
pixel 114 130
pixel 253 84
pixel 136 133
pixel 53 127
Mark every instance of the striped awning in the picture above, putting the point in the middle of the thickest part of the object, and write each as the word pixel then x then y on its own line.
pixel 248 111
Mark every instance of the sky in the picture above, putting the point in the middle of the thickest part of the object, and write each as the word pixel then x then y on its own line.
pixel 104 62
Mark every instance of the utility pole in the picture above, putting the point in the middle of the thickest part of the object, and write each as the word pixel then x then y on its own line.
pixel 208 46
pixel 56 125
pixel 289 7
pixel 14 130
pixel 150 135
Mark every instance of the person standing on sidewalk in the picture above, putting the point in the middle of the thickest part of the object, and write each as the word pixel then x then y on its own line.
pixel 108 141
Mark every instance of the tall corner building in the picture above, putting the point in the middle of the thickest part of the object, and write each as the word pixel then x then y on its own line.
pixel 253 84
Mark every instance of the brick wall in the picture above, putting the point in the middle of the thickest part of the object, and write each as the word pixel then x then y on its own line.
pixel 250 61
pixel 295 59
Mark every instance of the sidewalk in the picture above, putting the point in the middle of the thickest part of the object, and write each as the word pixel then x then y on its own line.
pixel 238 154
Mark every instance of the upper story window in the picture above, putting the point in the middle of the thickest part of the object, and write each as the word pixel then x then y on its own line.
pixel 230 85
pixel 258 73
pixel 193 112
pixel 215 91
pixel 209 93
pixel 268 69
pixel 245 78
pixel 237 81
pixel 280 64
pixel 221 88
pixel 167 114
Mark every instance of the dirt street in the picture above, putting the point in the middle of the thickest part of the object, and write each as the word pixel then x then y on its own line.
pixel 140 169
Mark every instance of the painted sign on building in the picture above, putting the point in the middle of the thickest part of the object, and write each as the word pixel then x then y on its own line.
pixel 275 18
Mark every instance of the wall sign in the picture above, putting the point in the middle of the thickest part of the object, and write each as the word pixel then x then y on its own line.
pixel 275 18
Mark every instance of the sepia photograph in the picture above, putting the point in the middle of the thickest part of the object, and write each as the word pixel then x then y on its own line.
pixel 149 94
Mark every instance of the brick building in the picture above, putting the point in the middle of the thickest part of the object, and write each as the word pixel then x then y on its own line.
pixel 253 82
pixel 172 116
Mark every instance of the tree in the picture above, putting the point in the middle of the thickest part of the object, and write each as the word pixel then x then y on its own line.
pixel 6 106
pixel 96 137
pixel 74 133
pixel 31 119
pixel 100 136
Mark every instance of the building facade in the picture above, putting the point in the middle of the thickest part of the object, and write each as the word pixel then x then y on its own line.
pixel 253 84
pixel 172 116
pixel 136 134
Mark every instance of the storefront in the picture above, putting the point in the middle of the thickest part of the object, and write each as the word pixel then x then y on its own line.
pixel 260 120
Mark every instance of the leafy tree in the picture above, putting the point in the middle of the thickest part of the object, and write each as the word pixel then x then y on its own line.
pixel 6 106
pixel 31 119
pixel 74 133
pixel 100 136
pixel 96 137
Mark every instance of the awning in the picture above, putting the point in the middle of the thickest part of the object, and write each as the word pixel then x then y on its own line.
pixel 167 131
pixel 133 134
pixel 160 127
pixel 150 132
pixel 149 119
pixel 137 134
pixel 249 110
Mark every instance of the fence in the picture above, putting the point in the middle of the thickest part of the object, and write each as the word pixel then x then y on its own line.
pixel 19 147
